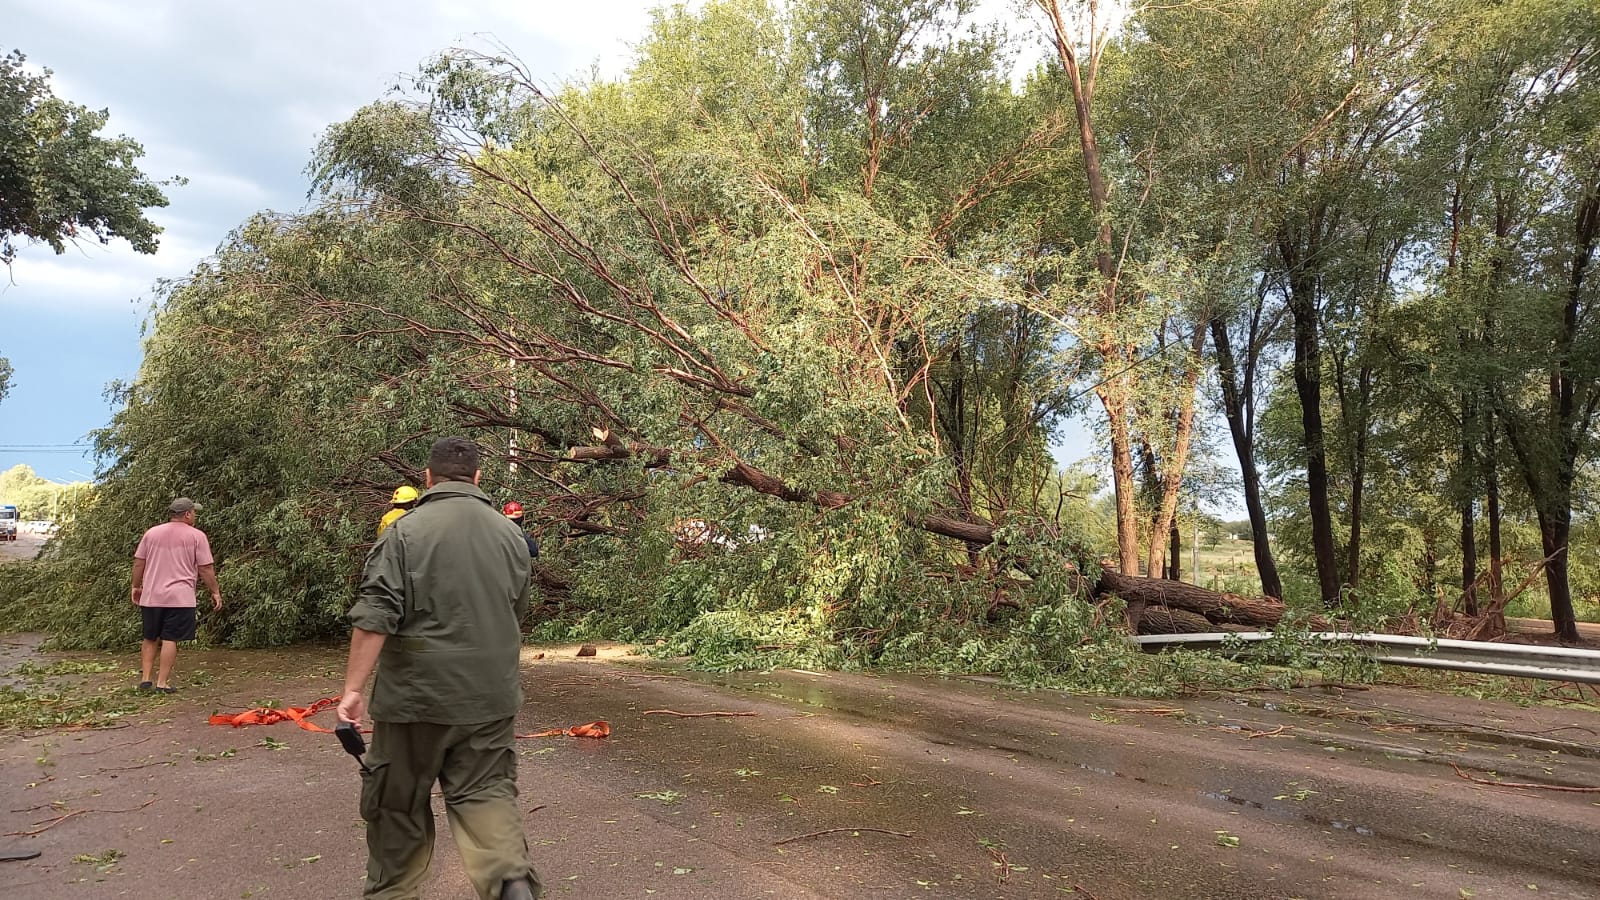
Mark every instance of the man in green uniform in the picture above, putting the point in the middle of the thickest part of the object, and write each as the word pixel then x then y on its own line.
pixel 440 603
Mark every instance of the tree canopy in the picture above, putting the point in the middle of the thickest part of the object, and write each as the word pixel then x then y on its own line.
pixel 60 179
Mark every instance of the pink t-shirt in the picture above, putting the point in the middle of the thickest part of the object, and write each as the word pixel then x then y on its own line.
pixel 173 554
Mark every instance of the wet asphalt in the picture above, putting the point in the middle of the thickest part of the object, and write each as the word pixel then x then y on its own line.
pixel 840 786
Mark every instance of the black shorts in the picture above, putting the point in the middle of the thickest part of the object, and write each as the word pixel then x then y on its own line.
pixel 168 623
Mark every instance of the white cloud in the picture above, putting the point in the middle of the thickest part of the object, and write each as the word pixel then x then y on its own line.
pixel 61 283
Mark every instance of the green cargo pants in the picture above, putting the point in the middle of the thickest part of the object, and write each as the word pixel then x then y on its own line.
pixel 476 765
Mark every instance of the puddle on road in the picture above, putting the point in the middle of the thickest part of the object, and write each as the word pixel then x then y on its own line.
pixel 1287 813
pixel 1229 798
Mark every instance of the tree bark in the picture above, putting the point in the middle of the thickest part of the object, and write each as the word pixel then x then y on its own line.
pixel 1175 563
pixel 1166 620
pixel 1491 477
pixel 1237 410
pixel 1173 465
pixel 1308 386
pixel 1114 394
pixel 1469 538
pixel 1216 607
pixel 1358 477
pixel 1555 531
pixel 1122 483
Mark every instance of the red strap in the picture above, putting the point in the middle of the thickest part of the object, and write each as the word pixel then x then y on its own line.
pixel 263 715
pixel 590 730
pixel 301 715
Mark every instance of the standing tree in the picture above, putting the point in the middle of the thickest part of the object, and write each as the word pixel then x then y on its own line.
pixel 59 179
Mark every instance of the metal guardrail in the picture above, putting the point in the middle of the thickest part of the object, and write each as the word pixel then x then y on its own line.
pixel 1513 660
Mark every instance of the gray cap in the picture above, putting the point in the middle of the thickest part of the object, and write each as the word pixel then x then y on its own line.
pixel 183 505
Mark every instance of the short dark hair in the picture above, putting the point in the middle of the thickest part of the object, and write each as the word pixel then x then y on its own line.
pixel 453 459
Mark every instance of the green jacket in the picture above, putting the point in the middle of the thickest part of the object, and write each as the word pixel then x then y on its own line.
pixel 448 583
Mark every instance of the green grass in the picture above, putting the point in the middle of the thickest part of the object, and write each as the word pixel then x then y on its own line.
pixel 1535 604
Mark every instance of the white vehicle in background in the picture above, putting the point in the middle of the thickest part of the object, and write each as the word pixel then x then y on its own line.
pixel 8 523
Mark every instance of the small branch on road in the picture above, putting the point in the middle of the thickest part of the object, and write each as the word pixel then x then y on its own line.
pixel 164 762
pixel 698 715
pixel 1525 784
pixel 1002 865
pixel 1273 733
pixel 1084 891
pixel 801 837
pixel 75 727
pixel 51 823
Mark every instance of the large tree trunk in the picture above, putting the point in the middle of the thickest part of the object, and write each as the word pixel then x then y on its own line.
pixel 1236 409
pixel 1175 562
pixel 1308 386
pixel 1555 529
pixel 1216 607
pixel 1174 463
pixel 1469 538
pixel 1469 558
pixel 1358 479
pixel 1491 477
pixel 1358 474
pixel 1122 482
pixel 1115 395
pixel 1166 620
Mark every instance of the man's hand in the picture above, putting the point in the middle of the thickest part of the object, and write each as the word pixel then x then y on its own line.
pixel 352 707
pixel 216 602
pixel 136 593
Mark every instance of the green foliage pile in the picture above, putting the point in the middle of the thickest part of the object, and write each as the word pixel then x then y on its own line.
pixel 746 378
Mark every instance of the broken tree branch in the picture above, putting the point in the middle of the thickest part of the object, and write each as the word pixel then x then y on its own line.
pixel 801 837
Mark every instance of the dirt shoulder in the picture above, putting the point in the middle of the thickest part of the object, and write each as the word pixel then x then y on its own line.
pixel 839 785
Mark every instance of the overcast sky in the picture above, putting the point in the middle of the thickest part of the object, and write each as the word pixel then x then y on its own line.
pixel 233 97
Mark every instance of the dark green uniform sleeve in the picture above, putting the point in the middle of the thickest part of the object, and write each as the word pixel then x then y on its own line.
pixel 381 601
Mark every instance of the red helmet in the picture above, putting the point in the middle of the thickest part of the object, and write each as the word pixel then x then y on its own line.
pixel 512 510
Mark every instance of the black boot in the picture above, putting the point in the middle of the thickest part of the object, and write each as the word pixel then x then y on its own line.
pixel 521 889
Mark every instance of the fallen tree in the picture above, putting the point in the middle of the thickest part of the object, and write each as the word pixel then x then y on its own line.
pixel 1143 594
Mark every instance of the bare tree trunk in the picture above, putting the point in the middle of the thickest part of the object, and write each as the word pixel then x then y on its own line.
pixel 1122 483
pixel 1308 386
pixel 1469 539
pixel 1175 567
pixel 1237 410
pixel 1555 531
pixel 1115 396
pixel 1491 473
pixel 1173 465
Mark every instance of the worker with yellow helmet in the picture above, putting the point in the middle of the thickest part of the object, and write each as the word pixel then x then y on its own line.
pixel 405 497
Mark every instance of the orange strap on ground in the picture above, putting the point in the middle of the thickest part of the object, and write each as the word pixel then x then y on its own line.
pixel 301 715
pixel 591 730
pixel 263 715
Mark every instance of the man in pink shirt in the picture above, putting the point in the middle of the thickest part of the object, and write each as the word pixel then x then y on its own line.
pixel 169 560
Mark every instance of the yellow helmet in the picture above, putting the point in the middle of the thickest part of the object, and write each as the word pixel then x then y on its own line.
pixel 405 493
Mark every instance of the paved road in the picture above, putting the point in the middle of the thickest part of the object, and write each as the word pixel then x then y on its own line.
pixel 26 546
pixel 994 792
